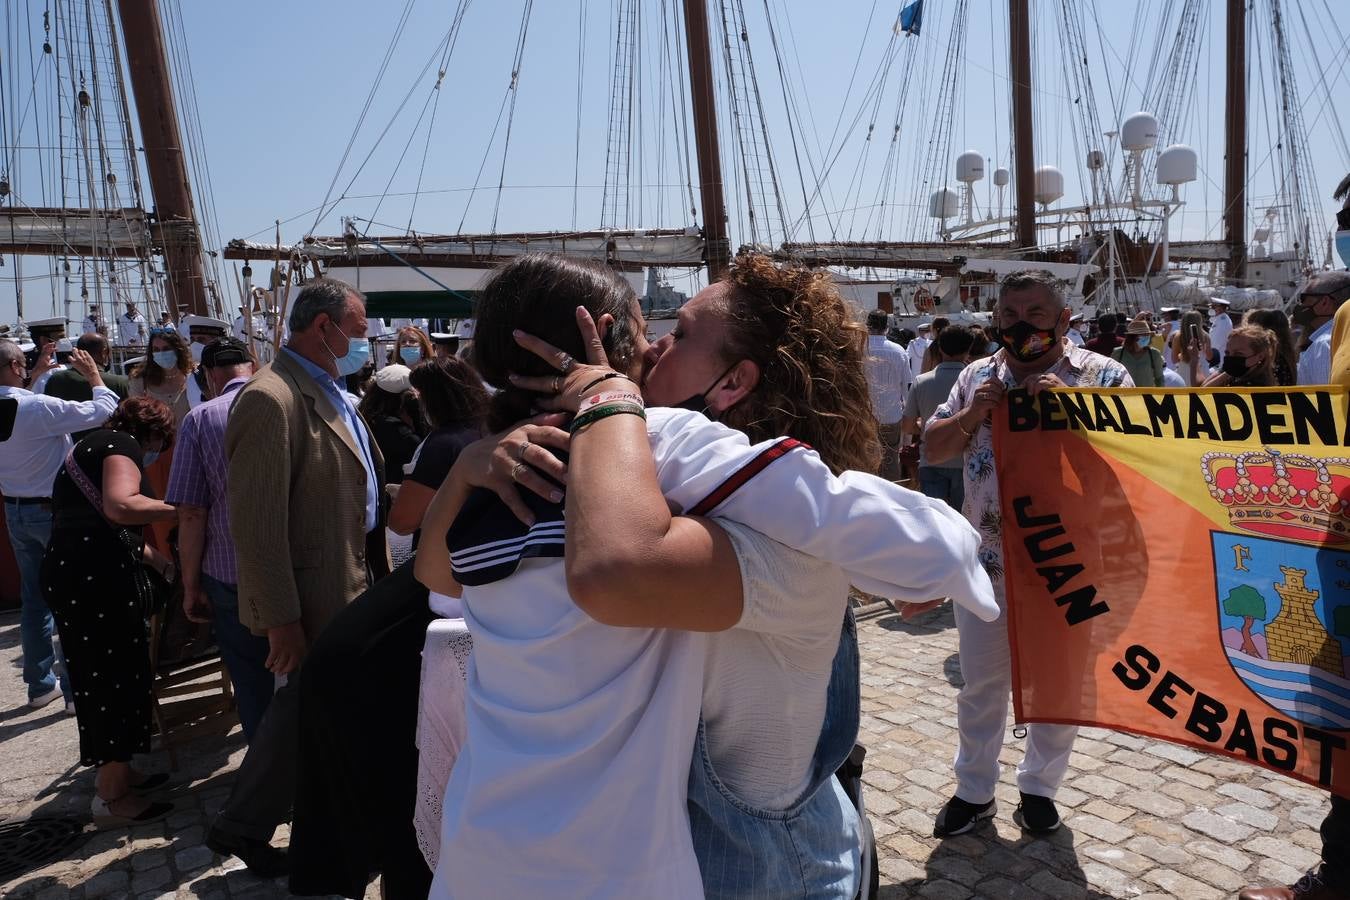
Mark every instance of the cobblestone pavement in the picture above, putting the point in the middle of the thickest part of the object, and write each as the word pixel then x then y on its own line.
pixel 1143 819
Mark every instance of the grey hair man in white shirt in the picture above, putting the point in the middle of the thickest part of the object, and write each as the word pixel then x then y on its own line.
pixel 32 456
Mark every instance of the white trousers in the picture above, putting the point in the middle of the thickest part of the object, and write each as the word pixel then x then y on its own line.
pixel 982 715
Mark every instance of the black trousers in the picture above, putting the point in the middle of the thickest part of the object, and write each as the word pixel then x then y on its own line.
pixel 357 785
pixel 1336 844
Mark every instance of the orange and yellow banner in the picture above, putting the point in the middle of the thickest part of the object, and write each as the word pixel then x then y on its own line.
pixel 1177 564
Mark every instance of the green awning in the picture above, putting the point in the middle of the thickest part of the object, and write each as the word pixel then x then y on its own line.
pixel 419 305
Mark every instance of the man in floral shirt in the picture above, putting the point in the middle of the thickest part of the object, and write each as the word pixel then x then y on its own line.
pixel 1032 320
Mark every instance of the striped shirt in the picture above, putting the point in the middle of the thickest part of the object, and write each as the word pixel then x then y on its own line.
pixel 198 478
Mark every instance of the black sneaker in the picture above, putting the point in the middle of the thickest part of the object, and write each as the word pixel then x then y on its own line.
pixel 1036 815
pixel 958 817
pixel 261 858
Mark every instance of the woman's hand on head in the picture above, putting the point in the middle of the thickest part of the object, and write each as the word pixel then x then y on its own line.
pixel 563 392
pixel 513 459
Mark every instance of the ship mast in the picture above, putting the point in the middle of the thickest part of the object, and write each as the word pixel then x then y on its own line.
pixel 1235 137
pixel 718 248
pixel 1024 177
pixel 148 66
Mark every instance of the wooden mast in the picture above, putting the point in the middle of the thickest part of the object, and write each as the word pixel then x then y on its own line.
pixel 1235 142
pixel 1024 169
pixel 148 66
pixel 717 246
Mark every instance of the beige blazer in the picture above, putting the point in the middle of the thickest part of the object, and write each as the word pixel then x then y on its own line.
pixel 297 499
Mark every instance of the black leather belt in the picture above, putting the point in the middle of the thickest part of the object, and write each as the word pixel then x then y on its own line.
pixel 29 501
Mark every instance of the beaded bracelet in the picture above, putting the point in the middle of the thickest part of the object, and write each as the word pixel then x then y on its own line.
pixel 597 413
pixel 595 400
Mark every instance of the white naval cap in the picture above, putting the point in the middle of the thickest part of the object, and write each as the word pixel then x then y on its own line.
pixel 1168 309
pixel 58 322
pixel 1219 301
pixel 191 322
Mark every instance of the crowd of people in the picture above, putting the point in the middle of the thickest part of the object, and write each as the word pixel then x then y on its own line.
pixel 648 547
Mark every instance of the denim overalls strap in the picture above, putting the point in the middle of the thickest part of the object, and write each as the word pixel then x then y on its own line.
pixel 811 849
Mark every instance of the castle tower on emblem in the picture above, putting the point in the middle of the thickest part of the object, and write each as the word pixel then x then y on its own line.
pixel 1296 635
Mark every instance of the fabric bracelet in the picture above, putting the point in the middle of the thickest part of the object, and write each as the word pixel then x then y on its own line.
pixel 597 413
pixel 594 400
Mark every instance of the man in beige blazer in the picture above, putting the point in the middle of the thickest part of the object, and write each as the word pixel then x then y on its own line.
pixel 305 479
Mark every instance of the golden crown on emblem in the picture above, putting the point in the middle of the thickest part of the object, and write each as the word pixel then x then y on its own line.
pixel 1288 495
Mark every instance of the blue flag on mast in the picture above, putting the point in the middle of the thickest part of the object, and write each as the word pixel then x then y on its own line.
pixel 911 18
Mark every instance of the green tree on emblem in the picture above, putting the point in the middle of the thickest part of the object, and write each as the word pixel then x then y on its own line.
pixel 1247 603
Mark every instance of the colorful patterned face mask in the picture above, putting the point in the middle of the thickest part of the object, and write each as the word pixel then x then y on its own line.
pixel 1027 343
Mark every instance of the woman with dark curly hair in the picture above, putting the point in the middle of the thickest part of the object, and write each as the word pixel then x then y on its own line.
pixel 163 374
pixel 95 581
pixel 664 752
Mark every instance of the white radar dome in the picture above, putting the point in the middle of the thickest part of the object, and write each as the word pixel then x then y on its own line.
pixel 1139 132
pixel 1096 159
pixel 944 204
pixel 1001 177
pixel 969 167
pixel 1049 185
pixel 1177 165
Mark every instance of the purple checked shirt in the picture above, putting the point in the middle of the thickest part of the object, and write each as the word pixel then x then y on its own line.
pixel 197 478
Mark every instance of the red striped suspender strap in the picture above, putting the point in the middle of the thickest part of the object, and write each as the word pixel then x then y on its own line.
pixel 744 474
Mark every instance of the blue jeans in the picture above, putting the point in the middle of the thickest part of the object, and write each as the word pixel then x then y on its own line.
pixel 943 484
pixel 30 528
pixel 244 653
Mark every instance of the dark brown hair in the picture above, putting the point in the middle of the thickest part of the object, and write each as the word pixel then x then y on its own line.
pixel 792 322
pixel 1286 357
pixel 145 419
pixel 149 371
pixel 450 392
pixel 539 293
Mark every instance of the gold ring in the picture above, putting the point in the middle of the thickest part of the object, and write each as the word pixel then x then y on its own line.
pixel 515 470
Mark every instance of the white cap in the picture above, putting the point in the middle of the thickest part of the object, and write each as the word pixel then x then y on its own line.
pixel 924 326
pixel 58 322
pixel 1168 309
pixel 1219 301
pixel 191 322
pixel 1076 317
pixel 394 379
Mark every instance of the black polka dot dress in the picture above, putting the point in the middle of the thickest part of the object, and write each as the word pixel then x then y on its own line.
pixel 90 585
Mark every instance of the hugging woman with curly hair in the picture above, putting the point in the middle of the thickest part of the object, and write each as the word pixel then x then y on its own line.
pixel 723 660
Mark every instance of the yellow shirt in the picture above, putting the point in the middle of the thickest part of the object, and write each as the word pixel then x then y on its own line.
pixel 1340 346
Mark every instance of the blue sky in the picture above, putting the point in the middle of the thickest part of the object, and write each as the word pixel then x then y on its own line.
pixel 280 87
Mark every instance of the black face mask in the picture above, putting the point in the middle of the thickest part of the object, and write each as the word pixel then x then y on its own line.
pixel 699 402
pixel 1235 367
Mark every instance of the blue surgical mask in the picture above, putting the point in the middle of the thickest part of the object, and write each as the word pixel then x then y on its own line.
pixel 165 359
pixel 410 355
pixel 149 457
pixel 1343 246
pixel 358 351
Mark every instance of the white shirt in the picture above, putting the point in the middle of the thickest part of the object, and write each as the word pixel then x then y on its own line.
pixel 89 326
pixel 888 378
pixel 916 349
pixel 40 386
pixel 131 329
pixel 1219 328
pixel 1172 380
pixel 573 780
pixel 1314 364
pixel 1074 337
pixel 33 455
pixel 765 681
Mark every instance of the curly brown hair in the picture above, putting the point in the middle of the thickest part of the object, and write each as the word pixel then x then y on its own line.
pixel 793 324
pixel 145 419
pixel 1264 341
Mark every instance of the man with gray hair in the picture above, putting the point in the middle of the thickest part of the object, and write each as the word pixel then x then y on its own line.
pixel 32 455
pixel 1032 318
pixel 303 487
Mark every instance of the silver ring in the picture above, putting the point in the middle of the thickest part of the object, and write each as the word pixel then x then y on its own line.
pixel 515 470
pixel 566 362
pixel 524 445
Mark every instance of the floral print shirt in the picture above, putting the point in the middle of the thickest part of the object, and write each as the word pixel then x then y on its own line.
pixel 1077 368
